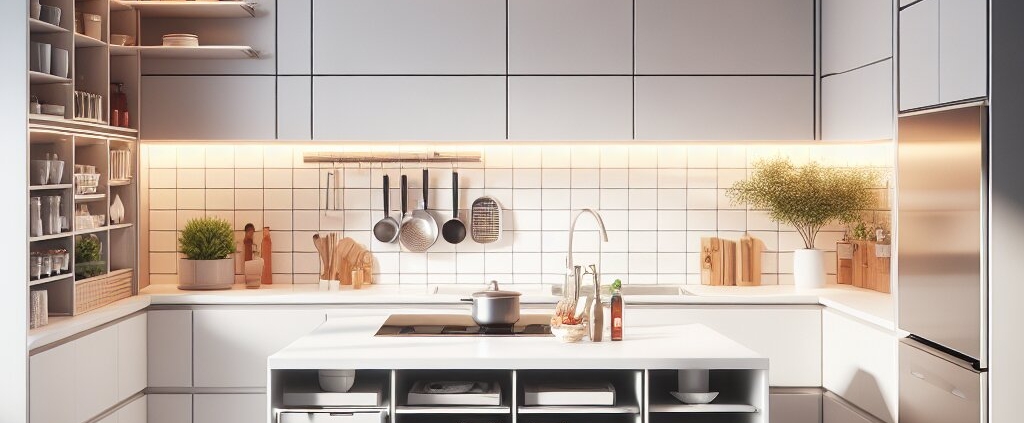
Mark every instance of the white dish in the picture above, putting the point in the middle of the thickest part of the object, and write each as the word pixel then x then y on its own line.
pixel 52 109
pixel 181 40
pixel 695 397
pixel 337 380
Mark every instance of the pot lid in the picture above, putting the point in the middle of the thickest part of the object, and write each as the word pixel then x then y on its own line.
pixel 494 292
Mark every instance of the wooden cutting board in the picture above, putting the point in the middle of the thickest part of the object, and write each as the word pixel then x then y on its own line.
pixel 748 261
pixel 711 261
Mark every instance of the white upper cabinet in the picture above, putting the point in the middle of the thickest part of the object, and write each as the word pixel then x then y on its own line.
pixel 859 364
pixel 570 108
pixel 294 37
pixel 919 55
pixel 963 56
pixel 581 37
pixel 131 356
pixel 854 33
pixel 724 108
pixel 170 348
pixel 294 107
pixel 410 37
pixel 725 37
pixel 208 108
pixel 408 107
pixel 857 105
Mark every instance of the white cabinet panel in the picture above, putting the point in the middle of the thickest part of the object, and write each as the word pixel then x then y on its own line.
pixel 51 385
pixel 231 346
pixel 581 37
pixel 859 364
pixel 258 32
pixel 725 37
pixel 208 107
pixel 131 356
pixel 294 107
pixel 790 407
pixel 295 37
pixel 230 408
pixel 789 337
pixel 170 408
pixel 963 56
pixel 170 348
pixel 409 37
pixel 570 108
pixel 133 412
pixel 854 33
pixel 857 105
pixel 408 108
pixel 95 375
pixel 919 55
pixel 109 419
pixel 835 411
pixel 724 107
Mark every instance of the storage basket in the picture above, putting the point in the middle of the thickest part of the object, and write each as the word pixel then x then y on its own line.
pixel 99 291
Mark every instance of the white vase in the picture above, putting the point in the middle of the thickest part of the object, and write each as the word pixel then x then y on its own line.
pixel 808 269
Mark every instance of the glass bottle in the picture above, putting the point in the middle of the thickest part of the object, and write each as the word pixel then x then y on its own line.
pixel 617 305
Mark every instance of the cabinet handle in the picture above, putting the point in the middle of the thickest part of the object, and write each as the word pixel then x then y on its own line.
pixel 941 384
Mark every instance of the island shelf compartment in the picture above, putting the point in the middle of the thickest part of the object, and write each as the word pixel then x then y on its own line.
pixel 405 379
pixel 742 397
pixel 307 382
pixel 628 386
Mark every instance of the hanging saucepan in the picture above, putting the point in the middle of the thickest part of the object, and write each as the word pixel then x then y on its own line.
pixel 494 307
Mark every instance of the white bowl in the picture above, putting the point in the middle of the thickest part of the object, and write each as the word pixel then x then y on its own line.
pixel 569 333
pixel 337 380
pixel 695 397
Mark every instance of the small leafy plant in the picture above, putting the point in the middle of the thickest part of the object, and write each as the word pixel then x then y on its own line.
pixel 88 257
pixel 807 197
pixel 207 238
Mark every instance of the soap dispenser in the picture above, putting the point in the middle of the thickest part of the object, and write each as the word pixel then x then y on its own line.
pixel 596 309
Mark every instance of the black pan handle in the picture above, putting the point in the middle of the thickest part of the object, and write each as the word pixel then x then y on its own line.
pixel 455 195
pixel 426 189
pixel 387 196
pixel 405 195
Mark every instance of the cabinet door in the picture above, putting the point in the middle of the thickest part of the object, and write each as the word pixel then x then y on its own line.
pixel 294 107
pixel 208 107
pixel 582 37
pixel 857 105
pixel 724 108
pixel 408 108
pixel 95 372
pixel 859 364
pixel 834 410
pixel 919 55
pixel 231 346
pixel 131 356
pixel 789 337
pixel 133 412
pixel 570 108
pixel 169 344
pixel 170 408
pixel 295 37
pixel 854 33
pixel 794 407
pixel 409 37
pixel 51 385
pixel 230 408
pixel 963 49
pixel 725 37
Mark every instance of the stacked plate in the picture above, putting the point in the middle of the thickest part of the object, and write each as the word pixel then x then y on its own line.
pixel 181 40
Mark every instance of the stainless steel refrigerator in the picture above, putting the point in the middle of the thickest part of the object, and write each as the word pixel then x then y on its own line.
pixel 941 236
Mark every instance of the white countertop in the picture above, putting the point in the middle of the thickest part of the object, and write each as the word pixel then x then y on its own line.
pixel 350 344
pixel 870 306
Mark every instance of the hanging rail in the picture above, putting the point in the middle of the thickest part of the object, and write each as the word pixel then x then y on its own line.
pixel 429 157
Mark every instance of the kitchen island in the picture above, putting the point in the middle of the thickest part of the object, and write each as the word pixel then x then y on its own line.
pixel 643 368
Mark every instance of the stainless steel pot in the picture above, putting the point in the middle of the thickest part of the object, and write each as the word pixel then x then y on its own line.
pixel 494 307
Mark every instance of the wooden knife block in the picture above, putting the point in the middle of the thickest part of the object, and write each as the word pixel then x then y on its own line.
pixel 861 267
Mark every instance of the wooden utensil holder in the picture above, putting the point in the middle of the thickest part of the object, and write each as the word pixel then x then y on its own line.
pixel 857 264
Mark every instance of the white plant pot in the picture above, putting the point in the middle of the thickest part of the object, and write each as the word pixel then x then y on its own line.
pixel 206 274
pixel 808 269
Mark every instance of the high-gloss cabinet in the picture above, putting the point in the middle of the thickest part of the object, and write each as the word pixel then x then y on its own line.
pixel 169 346
pixel 582 37
pixel 133 412
pixel 95 376
pixel 409 37
pixel 170 408
pixel 208 108
pixel 859 364
pixel 570 108
pixel 857 105
pixel 725 37
pixel 294 37
pixel 132 356
pixel 795 406
pixel 835 410
pixel 854 33
pixel 294 107
pixel 919 55
pixel 51 385
pixel 409 107
pixel 724 107
pixel 229 408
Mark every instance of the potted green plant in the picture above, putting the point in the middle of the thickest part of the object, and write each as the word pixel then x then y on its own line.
pixel 807 197
pixel 208 244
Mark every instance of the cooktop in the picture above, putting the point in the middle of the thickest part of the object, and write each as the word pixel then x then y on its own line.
pixel 461 325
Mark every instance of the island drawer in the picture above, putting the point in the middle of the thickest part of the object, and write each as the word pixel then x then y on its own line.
pixel 378 416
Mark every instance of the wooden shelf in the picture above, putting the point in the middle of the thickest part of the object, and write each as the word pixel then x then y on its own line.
pixel 120 226
pixel 123 50
pixel 82 40
pixel 702 408
pixel 37 26
pixel 192 9
pixel 198 52
pixel 59 277
pixel 83 198
pixel 578 409
pixel 91 231
pixel 452 409
pixel 48 187
pixel 49 237
pixel 47 122
pixel 45 78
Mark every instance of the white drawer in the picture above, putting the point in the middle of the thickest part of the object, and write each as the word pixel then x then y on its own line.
pixel 332 417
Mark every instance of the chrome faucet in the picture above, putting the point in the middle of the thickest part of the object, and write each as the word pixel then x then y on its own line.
pixel 569 270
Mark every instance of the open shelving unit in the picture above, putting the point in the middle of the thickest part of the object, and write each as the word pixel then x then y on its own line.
pixel 192 9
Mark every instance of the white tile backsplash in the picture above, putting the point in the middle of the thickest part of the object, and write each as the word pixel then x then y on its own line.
pixel 657 202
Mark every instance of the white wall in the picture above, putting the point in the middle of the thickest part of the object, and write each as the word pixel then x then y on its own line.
pixel 14 291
